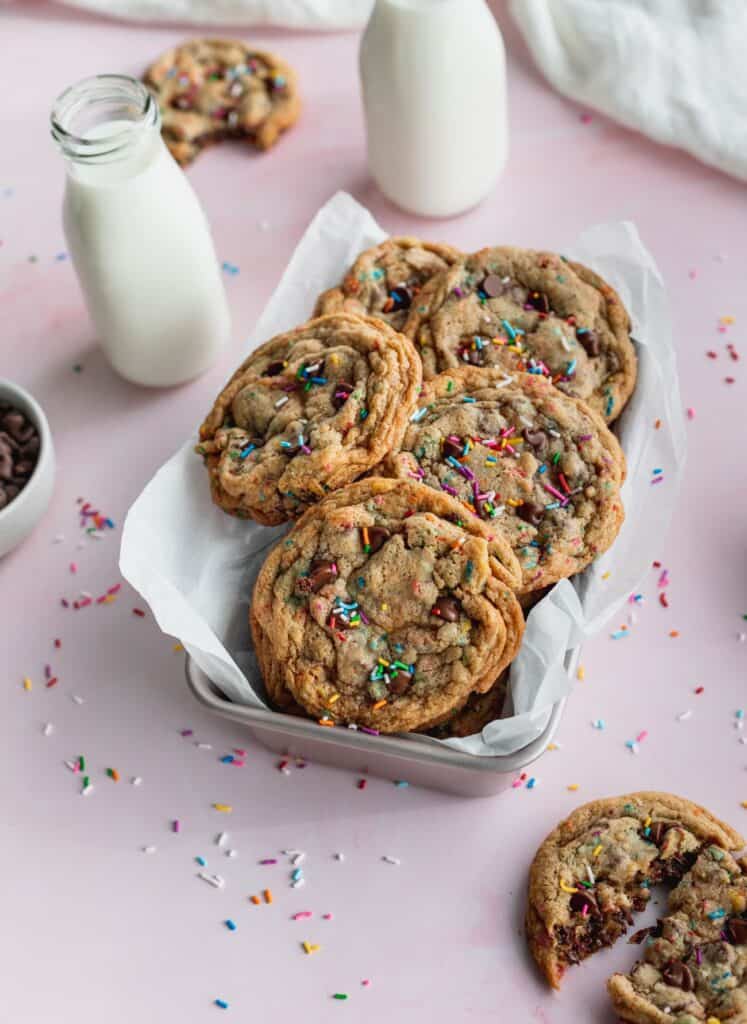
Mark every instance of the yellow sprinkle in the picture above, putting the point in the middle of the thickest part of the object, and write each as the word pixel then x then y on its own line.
pixel 267 895
pixel 606 575
pixel 109 599
pixel 597 850
pixel 713 1020
pixel 726 319
pixel 513 502
pixel 573 787
pixel 647 822
pixel 333 699
pixel 177 648
pixel 552 746
pixel 225 808
pixel 384 607
pixel 255 900
pixel 309 947
pixel 379 705
pixel 27 684
pixel 580 673
pixel 738 902
pixel 567 888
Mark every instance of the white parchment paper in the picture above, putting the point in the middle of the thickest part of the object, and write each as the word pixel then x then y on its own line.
pixel 195 566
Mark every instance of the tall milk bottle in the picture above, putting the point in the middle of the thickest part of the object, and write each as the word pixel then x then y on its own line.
pixel 433 80
pixel 138 237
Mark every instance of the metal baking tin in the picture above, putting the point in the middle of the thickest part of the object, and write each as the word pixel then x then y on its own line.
pixel 436 766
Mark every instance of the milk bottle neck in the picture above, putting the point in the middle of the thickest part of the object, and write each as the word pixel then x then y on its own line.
pixel 108 121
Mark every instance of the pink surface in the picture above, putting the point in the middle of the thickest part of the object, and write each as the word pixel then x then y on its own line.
pixel 93 928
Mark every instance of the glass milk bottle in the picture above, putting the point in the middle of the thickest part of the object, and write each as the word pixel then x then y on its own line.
pixel 138 236
pixel 433 78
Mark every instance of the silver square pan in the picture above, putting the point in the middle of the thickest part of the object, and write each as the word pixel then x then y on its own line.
pixel 436 766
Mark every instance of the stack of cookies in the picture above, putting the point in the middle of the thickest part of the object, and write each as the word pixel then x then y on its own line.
pixel 440 432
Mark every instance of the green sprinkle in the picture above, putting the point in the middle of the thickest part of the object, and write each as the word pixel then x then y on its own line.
pixel 469 569
pixel 363 413
pixel 82 763
pixel 556 458
pixel 340 995
pixel 450 387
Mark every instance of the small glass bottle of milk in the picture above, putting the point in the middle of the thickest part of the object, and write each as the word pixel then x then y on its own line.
pixel 433 78
pixel 138 237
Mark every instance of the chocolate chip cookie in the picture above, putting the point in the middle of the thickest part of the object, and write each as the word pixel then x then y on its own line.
pixel 541 466
pixel 385 607
pixel 213 89
pixel 480 710
pixel 385 279
pixel 595 870
pixel 309 411
pixel 533 311
pixel 694 965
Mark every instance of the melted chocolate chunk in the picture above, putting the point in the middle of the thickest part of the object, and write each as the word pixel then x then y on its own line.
pixel 736 931
pixel 446 608
pixel 320 573
pixel 400 683
pixel 530 513
pixel 581 900
pixel 452 449
pixel 589 341
pixel 678 975
pixel 274 369
pixel 341 394
pixel 538 301
pixel 401 297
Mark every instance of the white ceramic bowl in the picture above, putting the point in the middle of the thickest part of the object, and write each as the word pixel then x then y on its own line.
pixel 21 515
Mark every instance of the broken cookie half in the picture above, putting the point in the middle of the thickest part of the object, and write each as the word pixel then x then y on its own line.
pixel 596 870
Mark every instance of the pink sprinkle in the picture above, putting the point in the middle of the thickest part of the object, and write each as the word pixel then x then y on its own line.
pixel 73 567
pixel 238 764
pixel 186 732
pixel 722 329
pixel 366 982
pixel 664 578
pixel 84 603
pixel 691 413
pixel 641 736
pixel 115 589
pixel 301 915
pixel 698 955
pixel 268 860
pixel 585 118
pixel 175 826
pixel 657 480
pixel 65 603
pixel 100 600
pixel 239 751
pixel 327 917
pixel 692 274
pixel 47 672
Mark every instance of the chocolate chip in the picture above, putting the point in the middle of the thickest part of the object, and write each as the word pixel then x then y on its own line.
pixel 19 450
pixel 400 683
pixel 377 536
pixel 579 900
pixel 736 930
pixel 538 439
pixel 341 394
pixel 538 301
pixel 656 832
pixel 274 369
pixel 401 297
pixel 530 513
pixel 589 341
pixel 493 286
pixel 643 933
pixel 452 449
pixel 320 573
pixel 678 975
pixel 446 608
pixel 18 426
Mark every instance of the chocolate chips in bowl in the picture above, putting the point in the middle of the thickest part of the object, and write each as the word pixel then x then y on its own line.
pixel 19 452
pixel 26 464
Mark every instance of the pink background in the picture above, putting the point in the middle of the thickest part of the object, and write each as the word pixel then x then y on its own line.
pixel 94 929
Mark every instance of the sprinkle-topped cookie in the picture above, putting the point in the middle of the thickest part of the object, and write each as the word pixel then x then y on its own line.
pixel 212 89
pixel 540 466
pixel 385 607
pixel 595 870
pixel 385 280
pixel 694 963
pixel 533 311
pixel 309 411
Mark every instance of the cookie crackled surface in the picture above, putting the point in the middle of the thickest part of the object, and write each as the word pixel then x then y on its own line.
pixel 213 89
pixel 539 465
pixel 527 310
pixel 385 607
pixel 595 870
pixel 311 410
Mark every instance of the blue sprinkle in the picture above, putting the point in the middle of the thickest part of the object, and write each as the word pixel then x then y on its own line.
pixel 229 268
pixel 419 414
pixel 658 471
pixel 542 468
pixel 531 783
pixel 377 274
pixel 364 414
pixel 295 875
pixel 201 861
pixel 247 451
pixel 361 582
pixel 61 256
pixel 469 569
pixel 716 915
pixel 318 380
pixel 231 925
pixel 619 634
pixel 222 1003
pixel 401 784
pixel 453 462
pixel 468 400
pixel 599 723
pixel 228 759
pixel 571 368
pixel 109 523
pixel 739 714
pixel 508 329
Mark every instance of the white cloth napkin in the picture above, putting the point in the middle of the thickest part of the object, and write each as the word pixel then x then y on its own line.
pixel 315 14
pixel 675 70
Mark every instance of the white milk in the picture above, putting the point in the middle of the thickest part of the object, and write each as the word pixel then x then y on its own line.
pixel 138 238
pixel 433 77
